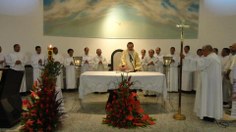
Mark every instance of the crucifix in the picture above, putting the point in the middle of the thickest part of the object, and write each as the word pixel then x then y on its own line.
pixel 179 116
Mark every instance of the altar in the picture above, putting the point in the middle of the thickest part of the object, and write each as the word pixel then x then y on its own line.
pixel 101 81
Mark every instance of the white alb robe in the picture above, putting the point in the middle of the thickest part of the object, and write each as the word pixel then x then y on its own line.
pixel 13 57
pixel 208 101
pixel 100 67
pixel 172 75
pixel 37 68
pixel 159 66
pixel 144 68
pixel 59 82
pixel 60 59
pixel 147 60
pixel 71 79
pixel 187 76
pixel 87 66
pixel 196 77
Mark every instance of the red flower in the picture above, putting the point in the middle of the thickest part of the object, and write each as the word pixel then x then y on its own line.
pixel 29 122
pixel 145 117
pixel 129 117
pixel 34 94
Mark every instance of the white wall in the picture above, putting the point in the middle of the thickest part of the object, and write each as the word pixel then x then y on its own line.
pixel 27 30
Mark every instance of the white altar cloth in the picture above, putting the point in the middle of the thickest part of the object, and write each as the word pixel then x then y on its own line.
pixel 101 81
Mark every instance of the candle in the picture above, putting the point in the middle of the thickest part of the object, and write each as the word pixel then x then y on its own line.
pixel 50 52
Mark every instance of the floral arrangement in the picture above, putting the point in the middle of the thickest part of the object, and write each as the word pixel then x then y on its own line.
pixel 123 108
pixel 41 109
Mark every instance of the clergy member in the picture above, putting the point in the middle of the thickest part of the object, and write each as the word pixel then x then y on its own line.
pixel 70 70
pixel 208 101
pixel 37 62
pixel 197 74
pixel 150 62
pixel 99 62
pixel 187 76
pixel 159 56
pixel 130 59
pixel 17 62
pixel 143 55
pixel 173 75
pixel 227 86
pixel 87 62
pixel 58 58
pixel 59 83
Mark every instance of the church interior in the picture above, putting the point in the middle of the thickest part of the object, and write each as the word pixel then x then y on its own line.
pixel 166 82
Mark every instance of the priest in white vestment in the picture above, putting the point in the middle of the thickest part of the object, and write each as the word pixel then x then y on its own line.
pixel 130 59
pixel 17 62
pixel 71 79
pixel 159 56
pixel 142 56
pixel 37 62
pixel 197 74
pixel 150 62
pixel 187 76
pixel 87 61
pixel 172 77
pixel 58 58
pixel 100 62
pixel 208 101
pixel 59 83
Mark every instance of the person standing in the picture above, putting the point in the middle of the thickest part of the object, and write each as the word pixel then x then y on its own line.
pixel 150 62
pixel 187 76
pixel 208 101
pixel 159 56
pixel 71 79
pixel 87 63
pixel 130 59
pixel 59 59
pixel 59 83
pixel 100 62
pixel 17 62
pixel 173 72
pixel 37 62
pixel 143 55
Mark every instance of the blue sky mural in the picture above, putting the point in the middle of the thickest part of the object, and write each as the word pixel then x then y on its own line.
pixel 154 19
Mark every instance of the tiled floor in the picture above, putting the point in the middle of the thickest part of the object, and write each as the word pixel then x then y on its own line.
pixel 89 119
